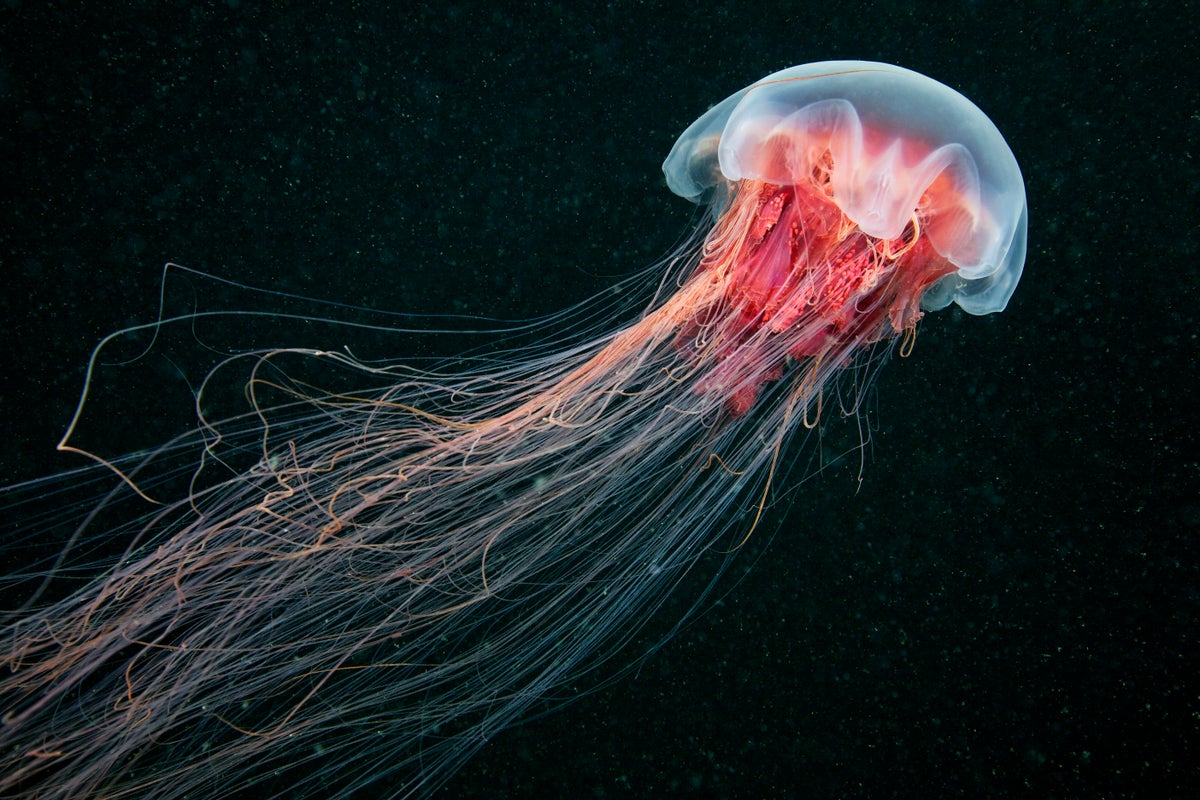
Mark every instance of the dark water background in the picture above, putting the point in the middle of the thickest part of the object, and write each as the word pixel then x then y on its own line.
pixel 1008 604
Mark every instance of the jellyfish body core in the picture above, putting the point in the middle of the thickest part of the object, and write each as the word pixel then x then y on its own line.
pixel 406 571
pixel 834 225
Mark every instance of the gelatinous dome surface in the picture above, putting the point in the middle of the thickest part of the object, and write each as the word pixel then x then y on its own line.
pixel 896 144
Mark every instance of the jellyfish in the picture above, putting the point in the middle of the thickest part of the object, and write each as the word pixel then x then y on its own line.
pixel 400 573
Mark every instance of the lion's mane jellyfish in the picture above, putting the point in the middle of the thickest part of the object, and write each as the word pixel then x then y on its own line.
pixel 405 571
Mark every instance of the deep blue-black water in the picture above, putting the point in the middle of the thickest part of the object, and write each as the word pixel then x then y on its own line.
pixel 1006 603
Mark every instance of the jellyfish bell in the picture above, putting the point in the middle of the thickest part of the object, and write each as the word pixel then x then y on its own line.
pixel 847 197
pixel 896 143
pixel 399 572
